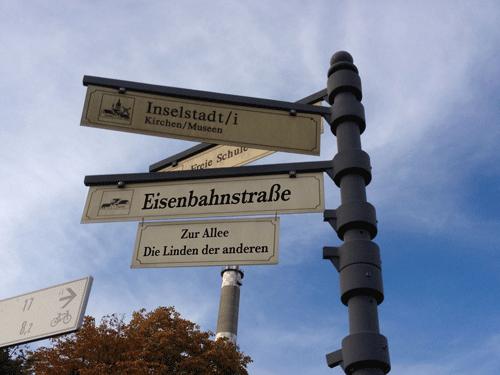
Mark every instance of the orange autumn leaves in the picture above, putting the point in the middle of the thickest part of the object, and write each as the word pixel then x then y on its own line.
pixel 157 342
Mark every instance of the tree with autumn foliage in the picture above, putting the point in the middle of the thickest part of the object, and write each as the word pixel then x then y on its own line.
pixel 157 342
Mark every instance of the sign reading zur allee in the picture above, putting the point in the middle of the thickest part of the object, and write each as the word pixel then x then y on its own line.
pixel 234 196
pixel 44 313
pixel 251 241
pixel 205 121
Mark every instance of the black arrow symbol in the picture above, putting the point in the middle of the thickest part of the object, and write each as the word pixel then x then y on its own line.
pixel 70 298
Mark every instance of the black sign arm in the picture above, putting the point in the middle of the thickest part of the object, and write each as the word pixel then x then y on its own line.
pixel 292 169
pixel 245 101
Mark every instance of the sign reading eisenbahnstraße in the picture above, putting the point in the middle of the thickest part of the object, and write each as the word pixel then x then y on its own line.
pixel 235 196
pixel 196 120
pixel 207 243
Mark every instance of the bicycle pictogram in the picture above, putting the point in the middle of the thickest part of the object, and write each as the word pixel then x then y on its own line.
pixel 64 317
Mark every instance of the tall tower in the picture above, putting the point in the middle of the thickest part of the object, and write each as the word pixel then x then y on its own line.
pixel 227 322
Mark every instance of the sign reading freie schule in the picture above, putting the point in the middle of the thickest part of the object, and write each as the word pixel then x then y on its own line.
pixel 236 196
pixel 204 121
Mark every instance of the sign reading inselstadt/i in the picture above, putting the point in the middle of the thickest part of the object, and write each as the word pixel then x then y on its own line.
pixel 45 313
pixel 173 113
pixel 235 196
pixel 207 243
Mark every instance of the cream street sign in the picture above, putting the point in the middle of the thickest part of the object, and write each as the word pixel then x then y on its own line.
pixel 236 196
pixel 155 110
pixel 211 156
pixel 220 156
pixel 207 243
pixel 205 155
pixel 44 313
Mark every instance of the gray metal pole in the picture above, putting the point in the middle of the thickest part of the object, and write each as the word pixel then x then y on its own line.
pixel 227 322
pixel 364 351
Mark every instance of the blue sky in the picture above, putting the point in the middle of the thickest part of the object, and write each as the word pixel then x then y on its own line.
pixel 431 88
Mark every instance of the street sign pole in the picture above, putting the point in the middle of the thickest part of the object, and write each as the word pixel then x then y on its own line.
pixel 270 125
pixel 364 351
